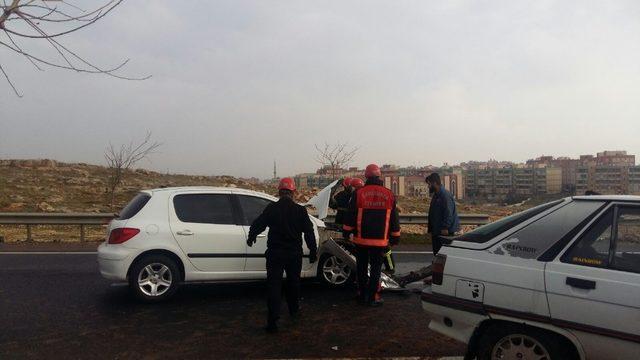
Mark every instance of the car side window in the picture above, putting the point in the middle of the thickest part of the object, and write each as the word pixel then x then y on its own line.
pixel 204 208
pixel 627 247
pixel 252 207
pixel 592 249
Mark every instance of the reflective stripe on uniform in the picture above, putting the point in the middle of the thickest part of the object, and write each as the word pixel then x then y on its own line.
pixel 371 242
pixel 387 217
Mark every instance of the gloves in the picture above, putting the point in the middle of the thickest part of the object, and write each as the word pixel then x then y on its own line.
pixel 313 257
pixel 394 240
pixel 251 241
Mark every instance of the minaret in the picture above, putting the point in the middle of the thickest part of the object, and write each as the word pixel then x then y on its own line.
pixel 275 174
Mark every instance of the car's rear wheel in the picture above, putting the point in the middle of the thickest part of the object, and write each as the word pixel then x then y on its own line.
pixel 334 271
pixel 154 278
pixel 507 341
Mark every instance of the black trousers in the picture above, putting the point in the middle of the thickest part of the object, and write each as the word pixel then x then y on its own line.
pixel 436 243
pixel 277 263
pixel 369 258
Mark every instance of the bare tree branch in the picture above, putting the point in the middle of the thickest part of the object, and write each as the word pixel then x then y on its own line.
pixel 9 81
pixel 335 156
pixel 121 159
pixel 36 15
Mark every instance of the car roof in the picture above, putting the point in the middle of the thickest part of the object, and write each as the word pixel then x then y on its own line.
pixel 608 197
pixel 207 188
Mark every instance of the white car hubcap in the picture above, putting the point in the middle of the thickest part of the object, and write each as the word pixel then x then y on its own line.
pixel 154 279
pixel 516 347
pixel 335 271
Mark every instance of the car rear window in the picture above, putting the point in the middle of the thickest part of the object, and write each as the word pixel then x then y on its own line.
pixel 134 206
pixel 487 232
pixel 532 240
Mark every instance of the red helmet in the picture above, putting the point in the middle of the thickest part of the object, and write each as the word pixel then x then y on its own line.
pixel 346 182
pixel 287 184
pixel 372 170
pixel 357 183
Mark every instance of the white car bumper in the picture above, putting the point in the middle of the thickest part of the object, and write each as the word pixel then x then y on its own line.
pixel 452 317
pixel 114 261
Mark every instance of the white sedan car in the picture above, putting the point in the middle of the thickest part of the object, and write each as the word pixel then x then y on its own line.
pixel 558 281
pixel 165 237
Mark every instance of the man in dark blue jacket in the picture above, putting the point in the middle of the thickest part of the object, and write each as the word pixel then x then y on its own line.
pixel 443 217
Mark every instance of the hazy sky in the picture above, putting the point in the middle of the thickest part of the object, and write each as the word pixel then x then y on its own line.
pixel 237 84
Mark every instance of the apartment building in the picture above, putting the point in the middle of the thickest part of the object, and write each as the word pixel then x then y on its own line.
pixel 567 165
pixel 634 180
pixel 503 181
pixel 615 158
pixel 584 179
pixel 611 179
pixel 609 172
pixel 516 181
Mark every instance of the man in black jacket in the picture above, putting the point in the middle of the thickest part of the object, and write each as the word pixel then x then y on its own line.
pixel 287 221
pixel 340 202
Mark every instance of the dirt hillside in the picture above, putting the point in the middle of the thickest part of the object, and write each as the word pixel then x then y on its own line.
pixel 51 186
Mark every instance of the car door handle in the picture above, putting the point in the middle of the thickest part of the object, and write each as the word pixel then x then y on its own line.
pixel 262 235
pixel 581 283
pixel 185 232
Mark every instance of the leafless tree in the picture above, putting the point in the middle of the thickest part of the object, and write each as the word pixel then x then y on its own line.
pixel 120 159
pixel 28 21
pixel 335 156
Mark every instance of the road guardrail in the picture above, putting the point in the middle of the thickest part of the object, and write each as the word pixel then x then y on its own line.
pixel 421 219
pixel 83 219
pixel 80 219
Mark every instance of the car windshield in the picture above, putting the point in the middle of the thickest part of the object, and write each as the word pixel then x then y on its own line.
pixel 487 232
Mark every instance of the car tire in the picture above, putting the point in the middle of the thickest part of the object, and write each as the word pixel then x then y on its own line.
pixel 154 278
pixel 505 341
pixel 333 272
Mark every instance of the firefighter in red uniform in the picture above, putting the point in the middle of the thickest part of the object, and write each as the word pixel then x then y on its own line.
pixel 388 262
pixel 373 221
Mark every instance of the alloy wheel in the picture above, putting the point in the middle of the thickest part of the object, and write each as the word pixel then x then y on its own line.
pixel 154 279
pixel 518 346
pixel 335 271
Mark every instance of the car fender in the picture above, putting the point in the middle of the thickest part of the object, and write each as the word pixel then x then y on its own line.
pixel 549 327
pixel 186 265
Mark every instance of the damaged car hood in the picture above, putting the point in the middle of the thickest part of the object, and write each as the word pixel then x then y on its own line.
pixel 321 200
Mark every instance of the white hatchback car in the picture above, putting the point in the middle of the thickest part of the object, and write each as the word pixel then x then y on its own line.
pixel 558 281
pixel 168 236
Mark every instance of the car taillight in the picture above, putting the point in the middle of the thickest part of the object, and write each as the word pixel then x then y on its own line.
pixel 120 235
pixel 437 270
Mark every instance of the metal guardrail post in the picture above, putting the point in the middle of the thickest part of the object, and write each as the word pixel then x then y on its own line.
pixel 29 233
pixel 81 233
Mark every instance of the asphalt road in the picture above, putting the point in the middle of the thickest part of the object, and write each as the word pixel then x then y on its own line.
pixel 57 306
